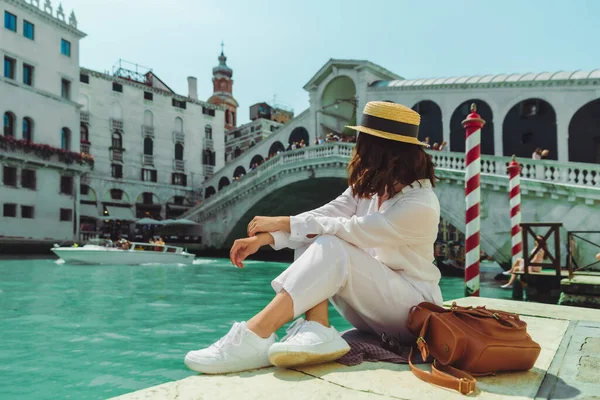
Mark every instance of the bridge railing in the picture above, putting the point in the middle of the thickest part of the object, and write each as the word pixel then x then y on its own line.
pixel 550 171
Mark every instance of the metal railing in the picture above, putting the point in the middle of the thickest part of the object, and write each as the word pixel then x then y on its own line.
pixel 208 143
pixel 179 137
pixel 147 159
pixel 178 165
pixel 116 124
pixel 84 116
pixel 116 155
pixel 209 170
pixel 148 131
pixel 84 148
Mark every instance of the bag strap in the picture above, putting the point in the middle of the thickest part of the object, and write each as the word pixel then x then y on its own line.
pixel 445 376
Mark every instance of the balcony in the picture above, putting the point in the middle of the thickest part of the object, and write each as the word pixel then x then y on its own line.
pixel 178 165
pixel 84 116
pixel 209 170
pixel 179 137
pixel 148 131
pixel 84 147
pixel 116 155
pixel 147 159
pixel 208 143
pixel 116 124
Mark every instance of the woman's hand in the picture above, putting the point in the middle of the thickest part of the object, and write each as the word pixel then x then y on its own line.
pixel 268 224
pixel 242 248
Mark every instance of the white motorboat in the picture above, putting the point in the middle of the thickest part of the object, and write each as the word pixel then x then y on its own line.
pixel 102 251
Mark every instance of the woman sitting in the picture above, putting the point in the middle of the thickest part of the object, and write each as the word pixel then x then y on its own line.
pixel 539 252
pixel 370 252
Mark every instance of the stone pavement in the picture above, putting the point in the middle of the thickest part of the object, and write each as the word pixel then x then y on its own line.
pixel 568 368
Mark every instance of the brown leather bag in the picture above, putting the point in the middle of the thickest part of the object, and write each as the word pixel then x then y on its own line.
pixel 467 341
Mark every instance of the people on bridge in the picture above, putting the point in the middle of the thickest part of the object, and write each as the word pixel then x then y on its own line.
pixel 369 251
pixel 539 253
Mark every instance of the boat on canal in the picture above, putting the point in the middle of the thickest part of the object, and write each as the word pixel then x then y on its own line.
pixel 104 251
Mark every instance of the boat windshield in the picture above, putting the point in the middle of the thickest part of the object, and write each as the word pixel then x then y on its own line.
pixel 101 242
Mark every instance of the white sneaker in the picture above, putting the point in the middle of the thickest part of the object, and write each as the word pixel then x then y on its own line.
pixel 239 350
pixel 507 273
pixel 308 342
pixel 507 286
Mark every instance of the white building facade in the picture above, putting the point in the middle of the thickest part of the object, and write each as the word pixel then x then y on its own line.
pixel 151 148
pixel 40 161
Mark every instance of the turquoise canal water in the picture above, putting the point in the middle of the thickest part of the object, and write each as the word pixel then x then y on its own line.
pixel 93 332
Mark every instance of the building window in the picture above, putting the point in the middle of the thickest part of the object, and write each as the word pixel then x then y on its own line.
pixel 117 141
pixel 9 67
pixel 116 194
pixel 179 103
pixel 28 74
pixel 208 132
pixel 149 175
pixel 65 139
pixel 178 200
pixel 179 179
pixel 28 30
pixel 84 133
pixel 65 88
pixel 116 171
pixel 9 124
pixel 66 185
pixel 9 176
pixel 179 151
pixel 28 179
pixel 208 111
pixel 148 147
pixel 65 47
pixel 66 214
pixel 117 87
pixel 84 190
pixel 84 78
pixel 27 212
pixel 148 96
pixel 27 129
pixel 10 21
pixel 10 210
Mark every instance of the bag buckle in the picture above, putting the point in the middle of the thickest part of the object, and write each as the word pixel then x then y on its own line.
pixel 420 339
pixel 468 388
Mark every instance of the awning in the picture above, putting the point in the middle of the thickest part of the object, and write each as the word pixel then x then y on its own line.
pixel 89 210
pixel 119 214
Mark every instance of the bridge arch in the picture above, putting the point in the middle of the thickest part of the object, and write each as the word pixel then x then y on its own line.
pixel 584 133
pixel 239 171
pixel 209 191
pixel 457 132
pixel 275 147
pixel 224 181
pixel 338 106
pixel 431 121
pixel 299 134
pixel 529 124
pixel 257 159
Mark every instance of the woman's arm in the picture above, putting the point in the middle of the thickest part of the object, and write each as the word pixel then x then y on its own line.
pixel 344 206
pixel 405 224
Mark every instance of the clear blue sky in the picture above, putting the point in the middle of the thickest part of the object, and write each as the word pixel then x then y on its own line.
pixel 274 47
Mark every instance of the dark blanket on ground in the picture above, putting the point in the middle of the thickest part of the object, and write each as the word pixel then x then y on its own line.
pixel 370 347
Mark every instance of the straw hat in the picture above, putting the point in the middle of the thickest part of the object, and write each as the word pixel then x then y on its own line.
pixel 390 121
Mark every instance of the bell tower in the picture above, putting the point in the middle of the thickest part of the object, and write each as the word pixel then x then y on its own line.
pixel 223 91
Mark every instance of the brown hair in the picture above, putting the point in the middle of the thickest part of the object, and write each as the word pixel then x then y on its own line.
pixel 378 164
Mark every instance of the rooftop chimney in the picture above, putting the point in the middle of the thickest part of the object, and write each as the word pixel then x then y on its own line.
pixel 192 88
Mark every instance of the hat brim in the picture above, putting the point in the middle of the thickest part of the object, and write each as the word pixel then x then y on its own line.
pixel 389 136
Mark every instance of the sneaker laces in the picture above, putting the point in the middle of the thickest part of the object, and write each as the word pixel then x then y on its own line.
pixel 293 328
pixel 234 336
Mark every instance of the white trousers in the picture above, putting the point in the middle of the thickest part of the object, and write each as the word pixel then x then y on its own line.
pixel 368 294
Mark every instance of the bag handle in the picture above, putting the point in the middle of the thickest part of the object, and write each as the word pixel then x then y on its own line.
pixel 445 376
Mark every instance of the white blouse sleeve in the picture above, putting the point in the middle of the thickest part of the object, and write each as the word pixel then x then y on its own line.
pixel 344 206
pixel 406 223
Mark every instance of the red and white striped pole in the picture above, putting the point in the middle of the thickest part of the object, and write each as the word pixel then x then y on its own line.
pixel 514 173
pixel 472 124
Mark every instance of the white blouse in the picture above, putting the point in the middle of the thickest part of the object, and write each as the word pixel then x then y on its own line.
pixel 400 234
